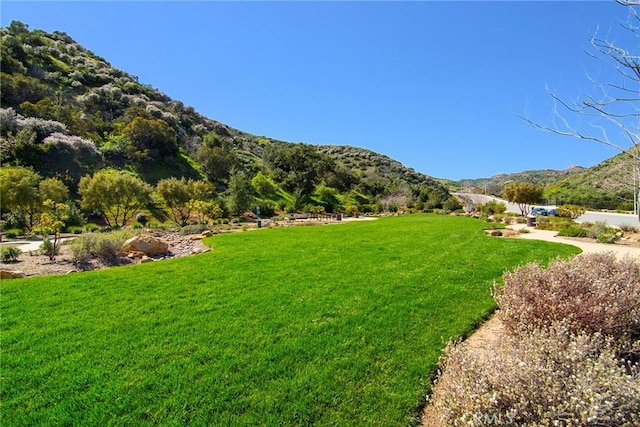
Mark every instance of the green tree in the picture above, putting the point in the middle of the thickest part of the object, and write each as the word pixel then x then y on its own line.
pixel 297 167
pixel 51 223
pixel 116 195
pixel 22 191
pixel 53 189
pixel 206 210
pixel 217 163
pixel 178 195
pixel 524 194
pixel 240 194
pixel 263 185
pixel 151 139
pixel 328 197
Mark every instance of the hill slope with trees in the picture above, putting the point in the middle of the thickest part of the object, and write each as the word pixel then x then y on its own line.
pixel 67 114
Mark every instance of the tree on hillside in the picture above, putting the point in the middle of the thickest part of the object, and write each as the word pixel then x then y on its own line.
pixel 217 163
pixel 524 194
pixel 151 138
pixel 613 105
pixel 116 195
pixel 297 167
pixel 179 195
pixel 240 193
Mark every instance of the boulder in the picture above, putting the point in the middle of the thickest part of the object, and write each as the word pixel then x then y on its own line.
pixel 136 254
pixel 206 233
pixel 9 274
pixel 145 243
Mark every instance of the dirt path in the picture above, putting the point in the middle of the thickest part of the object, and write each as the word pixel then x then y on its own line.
pixel 482 342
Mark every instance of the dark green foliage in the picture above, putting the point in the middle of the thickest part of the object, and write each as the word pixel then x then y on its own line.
pixel 150 139
pixel 9 253
pixel 217 163
pixel 267 208
pixel 142 218
pixel 296 167
pixel 451 204
pixel 573 232
pixel 240 194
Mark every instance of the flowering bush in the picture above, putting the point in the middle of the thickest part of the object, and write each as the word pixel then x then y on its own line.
pixel 569 356
pixel 84 146
pixel 8 121
pixel 544 377
pixel 42 127
pixel 590 292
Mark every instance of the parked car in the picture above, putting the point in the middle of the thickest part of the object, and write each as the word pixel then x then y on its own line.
pixel 539 211
pixel 552 212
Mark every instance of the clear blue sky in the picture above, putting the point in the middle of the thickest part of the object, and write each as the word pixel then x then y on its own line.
pixel 435 85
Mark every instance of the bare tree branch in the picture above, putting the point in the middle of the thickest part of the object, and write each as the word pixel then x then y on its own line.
pixel 613 105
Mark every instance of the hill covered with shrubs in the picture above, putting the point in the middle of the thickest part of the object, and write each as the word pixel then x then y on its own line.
pixel 66 114
pixel 607 185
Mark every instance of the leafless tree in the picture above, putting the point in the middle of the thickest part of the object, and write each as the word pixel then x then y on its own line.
pixel 611 105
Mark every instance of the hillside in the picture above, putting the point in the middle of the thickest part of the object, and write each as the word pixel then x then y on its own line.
pixel 67 113
pixel 607 185
pixel 496 183
pixel 374 165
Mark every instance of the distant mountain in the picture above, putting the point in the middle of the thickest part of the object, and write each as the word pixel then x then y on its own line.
pixel 495 184
pixel 67 112
pixel 607 185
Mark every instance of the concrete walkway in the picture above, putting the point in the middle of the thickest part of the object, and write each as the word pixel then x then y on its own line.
pixel 29 245
pixel 587 247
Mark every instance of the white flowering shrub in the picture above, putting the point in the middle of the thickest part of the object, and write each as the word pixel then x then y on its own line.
pixel 82 146
pixel 89 98
pixel 8 120
pixel 76 75
pixel 154 111
pixel 169 117
pixel 42 127
pixel 589 292
pixel 136 100
pixel 109 91
pixel 544 377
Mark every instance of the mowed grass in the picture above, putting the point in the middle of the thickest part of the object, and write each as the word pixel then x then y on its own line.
pixel 328 325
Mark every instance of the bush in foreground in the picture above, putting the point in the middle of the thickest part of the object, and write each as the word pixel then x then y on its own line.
pixel 569 356
pixel 544 377
pixel 104 246
pixel 590 292
pixel 9 253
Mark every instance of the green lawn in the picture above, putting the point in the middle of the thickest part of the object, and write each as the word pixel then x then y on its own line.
pixel 328 325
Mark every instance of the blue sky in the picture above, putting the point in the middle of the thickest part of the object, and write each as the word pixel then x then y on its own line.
pixel 435 85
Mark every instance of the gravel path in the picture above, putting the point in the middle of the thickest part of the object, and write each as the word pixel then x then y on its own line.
pixel 587 247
